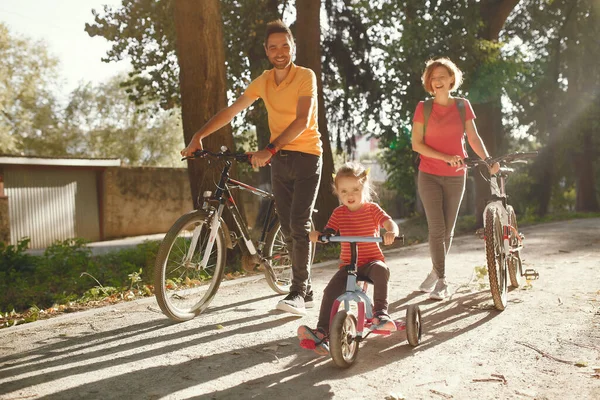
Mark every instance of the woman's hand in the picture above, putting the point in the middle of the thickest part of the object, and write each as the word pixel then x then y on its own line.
pixel 453 161
pixel 494 168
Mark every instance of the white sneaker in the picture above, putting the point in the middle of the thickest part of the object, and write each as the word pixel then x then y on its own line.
pixel 440 292
pixel 429 282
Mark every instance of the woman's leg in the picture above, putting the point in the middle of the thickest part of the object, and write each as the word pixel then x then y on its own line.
pixel 432 196
pixel 454 189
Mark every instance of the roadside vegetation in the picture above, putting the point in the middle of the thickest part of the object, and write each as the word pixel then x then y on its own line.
pixel 67 277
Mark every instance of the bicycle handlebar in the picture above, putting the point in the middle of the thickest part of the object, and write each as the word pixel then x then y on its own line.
pixel 507 158
pixel 326 238
pixel 224 154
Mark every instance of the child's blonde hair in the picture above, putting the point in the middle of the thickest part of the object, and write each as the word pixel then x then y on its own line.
pixel 358 171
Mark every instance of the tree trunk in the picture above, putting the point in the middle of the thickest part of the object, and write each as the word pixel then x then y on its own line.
pixel 489 115
pixel 201 56
pixel 308 42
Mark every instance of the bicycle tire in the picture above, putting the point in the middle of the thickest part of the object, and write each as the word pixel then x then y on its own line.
pixel 275 250
pixel 496 262
pixel 342 339
pixel 182 290
pixel 515 265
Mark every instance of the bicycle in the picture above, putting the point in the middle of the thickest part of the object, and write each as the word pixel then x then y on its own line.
pixel 503 241
pixel 346 330
pixel 191 259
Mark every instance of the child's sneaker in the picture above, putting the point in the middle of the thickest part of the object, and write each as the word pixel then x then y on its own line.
pixel 313 339
pixel 383 322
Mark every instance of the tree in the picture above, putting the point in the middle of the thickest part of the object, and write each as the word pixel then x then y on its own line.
pixel 101 121
pixel 28 108
pixel 308 37
pixel 201 57
pixel 559 90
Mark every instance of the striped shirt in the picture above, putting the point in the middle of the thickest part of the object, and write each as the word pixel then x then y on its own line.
pixel 366 221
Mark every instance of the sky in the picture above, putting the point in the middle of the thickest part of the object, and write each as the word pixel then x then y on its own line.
pixel 60 24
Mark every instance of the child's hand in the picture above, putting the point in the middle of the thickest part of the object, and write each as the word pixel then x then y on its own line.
pixel 388 238
pixel 314 236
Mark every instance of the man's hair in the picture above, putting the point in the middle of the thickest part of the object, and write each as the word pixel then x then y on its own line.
pixel 454 72
pixel 277 26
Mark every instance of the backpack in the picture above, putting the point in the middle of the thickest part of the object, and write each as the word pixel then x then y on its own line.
pixel 427 107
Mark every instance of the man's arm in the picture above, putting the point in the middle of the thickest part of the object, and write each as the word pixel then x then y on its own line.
pixel 304 108
pixel 218 121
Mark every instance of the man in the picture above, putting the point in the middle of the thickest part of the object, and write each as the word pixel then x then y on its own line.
pixel 290 96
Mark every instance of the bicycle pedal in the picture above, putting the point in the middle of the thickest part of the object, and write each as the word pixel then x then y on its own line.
pixel 480 233
pixel 531 274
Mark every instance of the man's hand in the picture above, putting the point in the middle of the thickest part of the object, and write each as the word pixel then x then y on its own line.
pixel 389 237
pixel 191 148
pixel 260 158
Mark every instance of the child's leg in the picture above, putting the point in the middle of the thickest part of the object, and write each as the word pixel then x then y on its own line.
pixel 335 287
pixel 379 273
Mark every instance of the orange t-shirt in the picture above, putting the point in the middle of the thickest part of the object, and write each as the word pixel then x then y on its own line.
pixel 281 102
pixel 366 221
pixel 445 133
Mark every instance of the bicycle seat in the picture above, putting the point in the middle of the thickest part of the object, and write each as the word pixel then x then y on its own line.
pixel 364 279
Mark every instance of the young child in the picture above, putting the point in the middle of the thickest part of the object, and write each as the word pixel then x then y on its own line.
pixel 357 216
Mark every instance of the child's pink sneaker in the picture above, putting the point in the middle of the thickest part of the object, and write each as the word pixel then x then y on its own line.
pixel 313 339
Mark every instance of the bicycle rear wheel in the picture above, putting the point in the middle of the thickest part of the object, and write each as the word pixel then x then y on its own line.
pixel 515 266
pixel 276 252
pixel 182 287
pixel 496 261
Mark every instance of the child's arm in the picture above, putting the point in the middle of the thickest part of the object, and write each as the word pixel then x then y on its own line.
pixel 314 236
pixel 392 231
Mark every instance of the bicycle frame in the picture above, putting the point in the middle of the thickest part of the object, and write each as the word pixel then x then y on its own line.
pixel 221 198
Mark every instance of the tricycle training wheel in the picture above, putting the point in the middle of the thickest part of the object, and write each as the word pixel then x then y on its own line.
pixel 342 339
pixel 413 324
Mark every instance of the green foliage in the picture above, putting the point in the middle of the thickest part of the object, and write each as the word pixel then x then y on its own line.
pixel 65 271
pixel 28 107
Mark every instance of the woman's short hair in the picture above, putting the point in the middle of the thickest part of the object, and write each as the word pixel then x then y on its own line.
pixel 453 70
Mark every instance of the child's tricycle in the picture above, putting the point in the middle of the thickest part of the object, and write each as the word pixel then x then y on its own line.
pixel 347 330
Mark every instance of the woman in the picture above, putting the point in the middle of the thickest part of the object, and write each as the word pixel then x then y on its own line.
pixel 441 149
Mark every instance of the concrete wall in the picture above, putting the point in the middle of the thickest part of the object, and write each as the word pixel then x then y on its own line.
pixel 143 200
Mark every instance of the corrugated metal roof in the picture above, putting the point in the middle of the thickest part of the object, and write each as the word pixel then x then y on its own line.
pixel 60 161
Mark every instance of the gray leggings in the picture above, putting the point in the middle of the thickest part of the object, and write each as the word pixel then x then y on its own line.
pixel 441 197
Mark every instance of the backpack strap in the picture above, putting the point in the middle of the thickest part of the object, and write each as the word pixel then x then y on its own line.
pixel 427 107
pixel 460 104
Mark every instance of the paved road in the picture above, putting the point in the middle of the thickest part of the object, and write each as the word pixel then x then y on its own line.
pixel 241 348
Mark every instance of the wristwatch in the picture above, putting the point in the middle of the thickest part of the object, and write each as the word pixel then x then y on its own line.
pixel 271 148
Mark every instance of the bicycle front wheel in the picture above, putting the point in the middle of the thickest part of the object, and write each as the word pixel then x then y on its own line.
pixel 185 281
pixel 515 266
pixel 496 260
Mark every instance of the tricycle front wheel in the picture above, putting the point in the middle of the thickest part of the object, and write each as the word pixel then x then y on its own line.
pixel 342 339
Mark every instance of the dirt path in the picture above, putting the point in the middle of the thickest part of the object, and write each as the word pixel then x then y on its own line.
pixel 241 348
